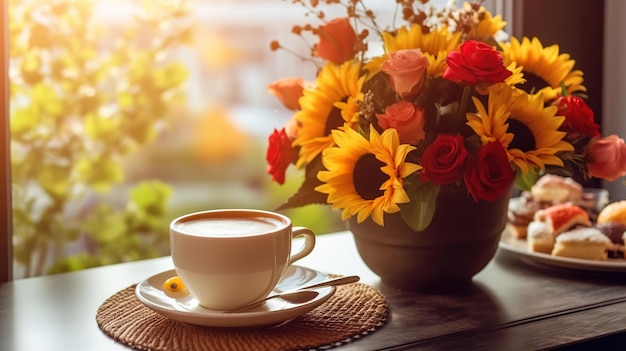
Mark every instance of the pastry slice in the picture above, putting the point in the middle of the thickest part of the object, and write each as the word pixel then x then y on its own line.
pixel 583 243
pixel 540 237
pixel 615 231
pixel 563 217
pixel 520 213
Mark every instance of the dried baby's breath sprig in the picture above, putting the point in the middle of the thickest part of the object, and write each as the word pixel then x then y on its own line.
pixel 428 17
pixel 367 107
pixel 275 46
pixel 466 19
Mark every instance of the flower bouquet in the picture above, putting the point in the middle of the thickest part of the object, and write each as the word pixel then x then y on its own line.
pixel 447 100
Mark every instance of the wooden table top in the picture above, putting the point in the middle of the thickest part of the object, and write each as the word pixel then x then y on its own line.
pixel 512 305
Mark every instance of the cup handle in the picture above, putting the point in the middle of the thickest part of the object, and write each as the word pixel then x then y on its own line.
pixel 309 243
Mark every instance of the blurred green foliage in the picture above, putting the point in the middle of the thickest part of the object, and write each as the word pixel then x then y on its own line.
pixel 80 101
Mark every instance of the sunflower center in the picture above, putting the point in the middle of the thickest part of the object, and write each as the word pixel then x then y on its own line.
pixel 523 139
pixel 334 119
pixel 368 177
pixel 533 84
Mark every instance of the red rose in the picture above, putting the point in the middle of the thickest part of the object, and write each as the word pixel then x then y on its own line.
pixel 337 41
pixel 406 70
pixel 606 158
pixel 279 155
pixel 288 91
pixel 578 116
pixel 444 159
pixel 490 174
pixel 474 64
pixel 407 118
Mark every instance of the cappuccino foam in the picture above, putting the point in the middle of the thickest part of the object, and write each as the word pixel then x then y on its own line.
pixel 230 227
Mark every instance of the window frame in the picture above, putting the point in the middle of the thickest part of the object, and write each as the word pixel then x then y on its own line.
pixel 6 232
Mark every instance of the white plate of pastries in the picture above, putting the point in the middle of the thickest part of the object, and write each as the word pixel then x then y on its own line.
pixel 560 223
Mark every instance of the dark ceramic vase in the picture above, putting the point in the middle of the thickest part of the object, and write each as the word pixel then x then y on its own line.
pixel 459 242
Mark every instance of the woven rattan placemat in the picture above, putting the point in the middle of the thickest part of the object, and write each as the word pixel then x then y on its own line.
pixel 354 311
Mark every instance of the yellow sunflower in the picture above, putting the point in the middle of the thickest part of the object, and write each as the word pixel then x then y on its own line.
pixel 517 77
pixel 544 68
pixel 487 27
pixel 365 177
pixel 522 125
pixel 331 104
pixel 435 45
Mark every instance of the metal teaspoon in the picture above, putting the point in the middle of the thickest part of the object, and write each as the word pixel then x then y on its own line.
pixel 302 294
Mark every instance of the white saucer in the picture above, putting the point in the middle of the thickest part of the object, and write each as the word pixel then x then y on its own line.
pixel 274 311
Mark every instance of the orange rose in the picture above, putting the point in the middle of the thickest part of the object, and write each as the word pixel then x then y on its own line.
pixel 337 41
pixel 406 69
pixel 606 158
pixel 407 118
pixel 288 91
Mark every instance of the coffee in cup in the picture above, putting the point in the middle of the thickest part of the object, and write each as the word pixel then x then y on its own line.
pixel 229 258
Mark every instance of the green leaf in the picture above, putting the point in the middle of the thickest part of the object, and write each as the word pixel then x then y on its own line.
pixel 55 181
pixel 419 212
pixel 526 181
pixel 24 120
pixel 125 100
pixel 100 173
pixel 142 131
pixel 151 196
pixel 171 76
pixel 46 98
pixel 105 225
pixel 97 127
pixel 307 194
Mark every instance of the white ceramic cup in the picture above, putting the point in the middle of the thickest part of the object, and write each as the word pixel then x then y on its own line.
pixel 229 258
